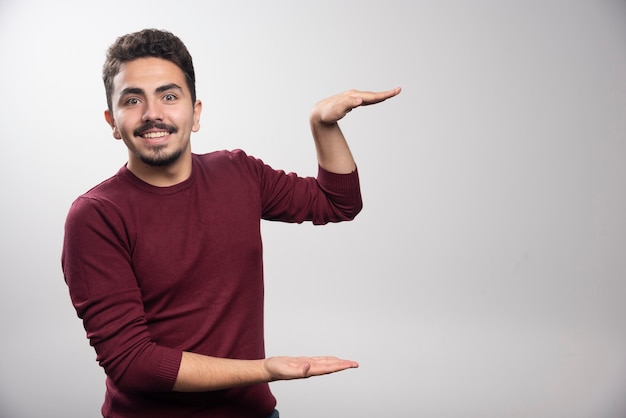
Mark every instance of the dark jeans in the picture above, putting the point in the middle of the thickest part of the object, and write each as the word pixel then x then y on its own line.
pixel 274 414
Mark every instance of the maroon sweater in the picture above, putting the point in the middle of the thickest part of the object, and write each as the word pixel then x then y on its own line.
pixel 155 271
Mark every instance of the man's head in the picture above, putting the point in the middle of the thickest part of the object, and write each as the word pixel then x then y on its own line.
pixel 152 104
pixel 147 43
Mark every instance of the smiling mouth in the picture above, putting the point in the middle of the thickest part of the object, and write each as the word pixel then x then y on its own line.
pixel 154 135
pixel 153 130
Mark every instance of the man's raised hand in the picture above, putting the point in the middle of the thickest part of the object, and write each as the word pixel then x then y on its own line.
pixel 289 368
pixel 334 108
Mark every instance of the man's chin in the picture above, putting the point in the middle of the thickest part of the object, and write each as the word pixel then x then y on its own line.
pixel 160 159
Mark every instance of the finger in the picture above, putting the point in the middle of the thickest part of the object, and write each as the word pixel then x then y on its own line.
pixel 326 365
pixel 369 97
pixel 332 360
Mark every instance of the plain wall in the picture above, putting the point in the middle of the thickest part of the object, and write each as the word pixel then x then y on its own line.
pixel 486 275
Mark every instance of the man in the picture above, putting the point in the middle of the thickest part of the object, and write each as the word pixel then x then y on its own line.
pixel 163 260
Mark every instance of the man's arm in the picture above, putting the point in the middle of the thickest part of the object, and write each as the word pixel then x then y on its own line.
pixel 203 373
pixel 199 373
pixel 333 153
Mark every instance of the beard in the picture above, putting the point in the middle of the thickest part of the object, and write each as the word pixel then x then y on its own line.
pixel 158 158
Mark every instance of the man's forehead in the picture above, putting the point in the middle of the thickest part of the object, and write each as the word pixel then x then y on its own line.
pixel 148 73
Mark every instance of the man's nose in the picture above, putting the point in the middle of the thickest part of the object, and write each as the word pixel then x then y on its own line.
pixel 152 111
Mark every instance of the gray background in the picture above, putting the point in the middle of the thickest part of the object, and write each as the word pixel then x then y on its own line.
pixel 486 274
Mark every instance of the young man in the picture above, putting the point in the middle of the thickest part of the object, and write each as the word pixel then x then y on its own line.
pixel 163 260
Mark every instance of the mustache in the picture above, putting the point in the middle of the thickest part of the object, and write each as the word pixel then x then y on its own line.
pixel 154 125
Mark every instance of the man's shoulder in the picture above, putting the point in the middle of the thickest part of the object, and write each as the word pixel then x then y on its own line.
pixel 109 187
pixel 221 156
pixel 225 160
pixel 105 196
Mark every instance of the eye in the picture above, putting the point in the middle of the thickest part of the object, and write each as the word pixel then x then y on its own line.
pixel 169 97
pixel 131 101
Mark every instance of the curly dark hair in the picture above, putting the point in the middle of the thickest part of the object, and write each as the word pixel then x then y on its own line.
pixel 147 43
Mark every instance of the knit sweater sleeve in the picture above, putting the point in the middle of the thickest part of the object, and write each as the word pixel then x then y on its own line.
pixel 287 197
pixel 96 262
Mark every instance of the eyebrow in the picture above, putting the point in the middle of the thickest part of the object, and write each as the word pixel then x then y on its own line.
pixel 131 90
pixel 171 86
pixel 160 89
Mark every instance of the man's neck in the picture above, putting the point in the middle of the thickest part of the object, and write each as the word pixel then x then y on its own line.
pixel 166 176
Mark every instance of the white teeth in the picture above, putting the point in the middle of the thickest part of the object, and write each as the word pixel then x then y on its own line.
pixel 152 135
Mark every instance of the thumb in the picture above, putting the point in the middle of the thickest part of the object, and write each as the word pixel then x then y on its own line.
pixel 305 367
pixel 356 101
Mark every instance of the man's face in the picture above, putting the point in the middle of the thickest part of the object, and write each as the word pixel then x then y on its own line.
pixel 152 112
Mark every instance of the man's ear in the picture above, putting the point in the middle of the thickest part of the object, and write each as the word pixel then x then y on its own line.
pixel 108 116
pixel 197 110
